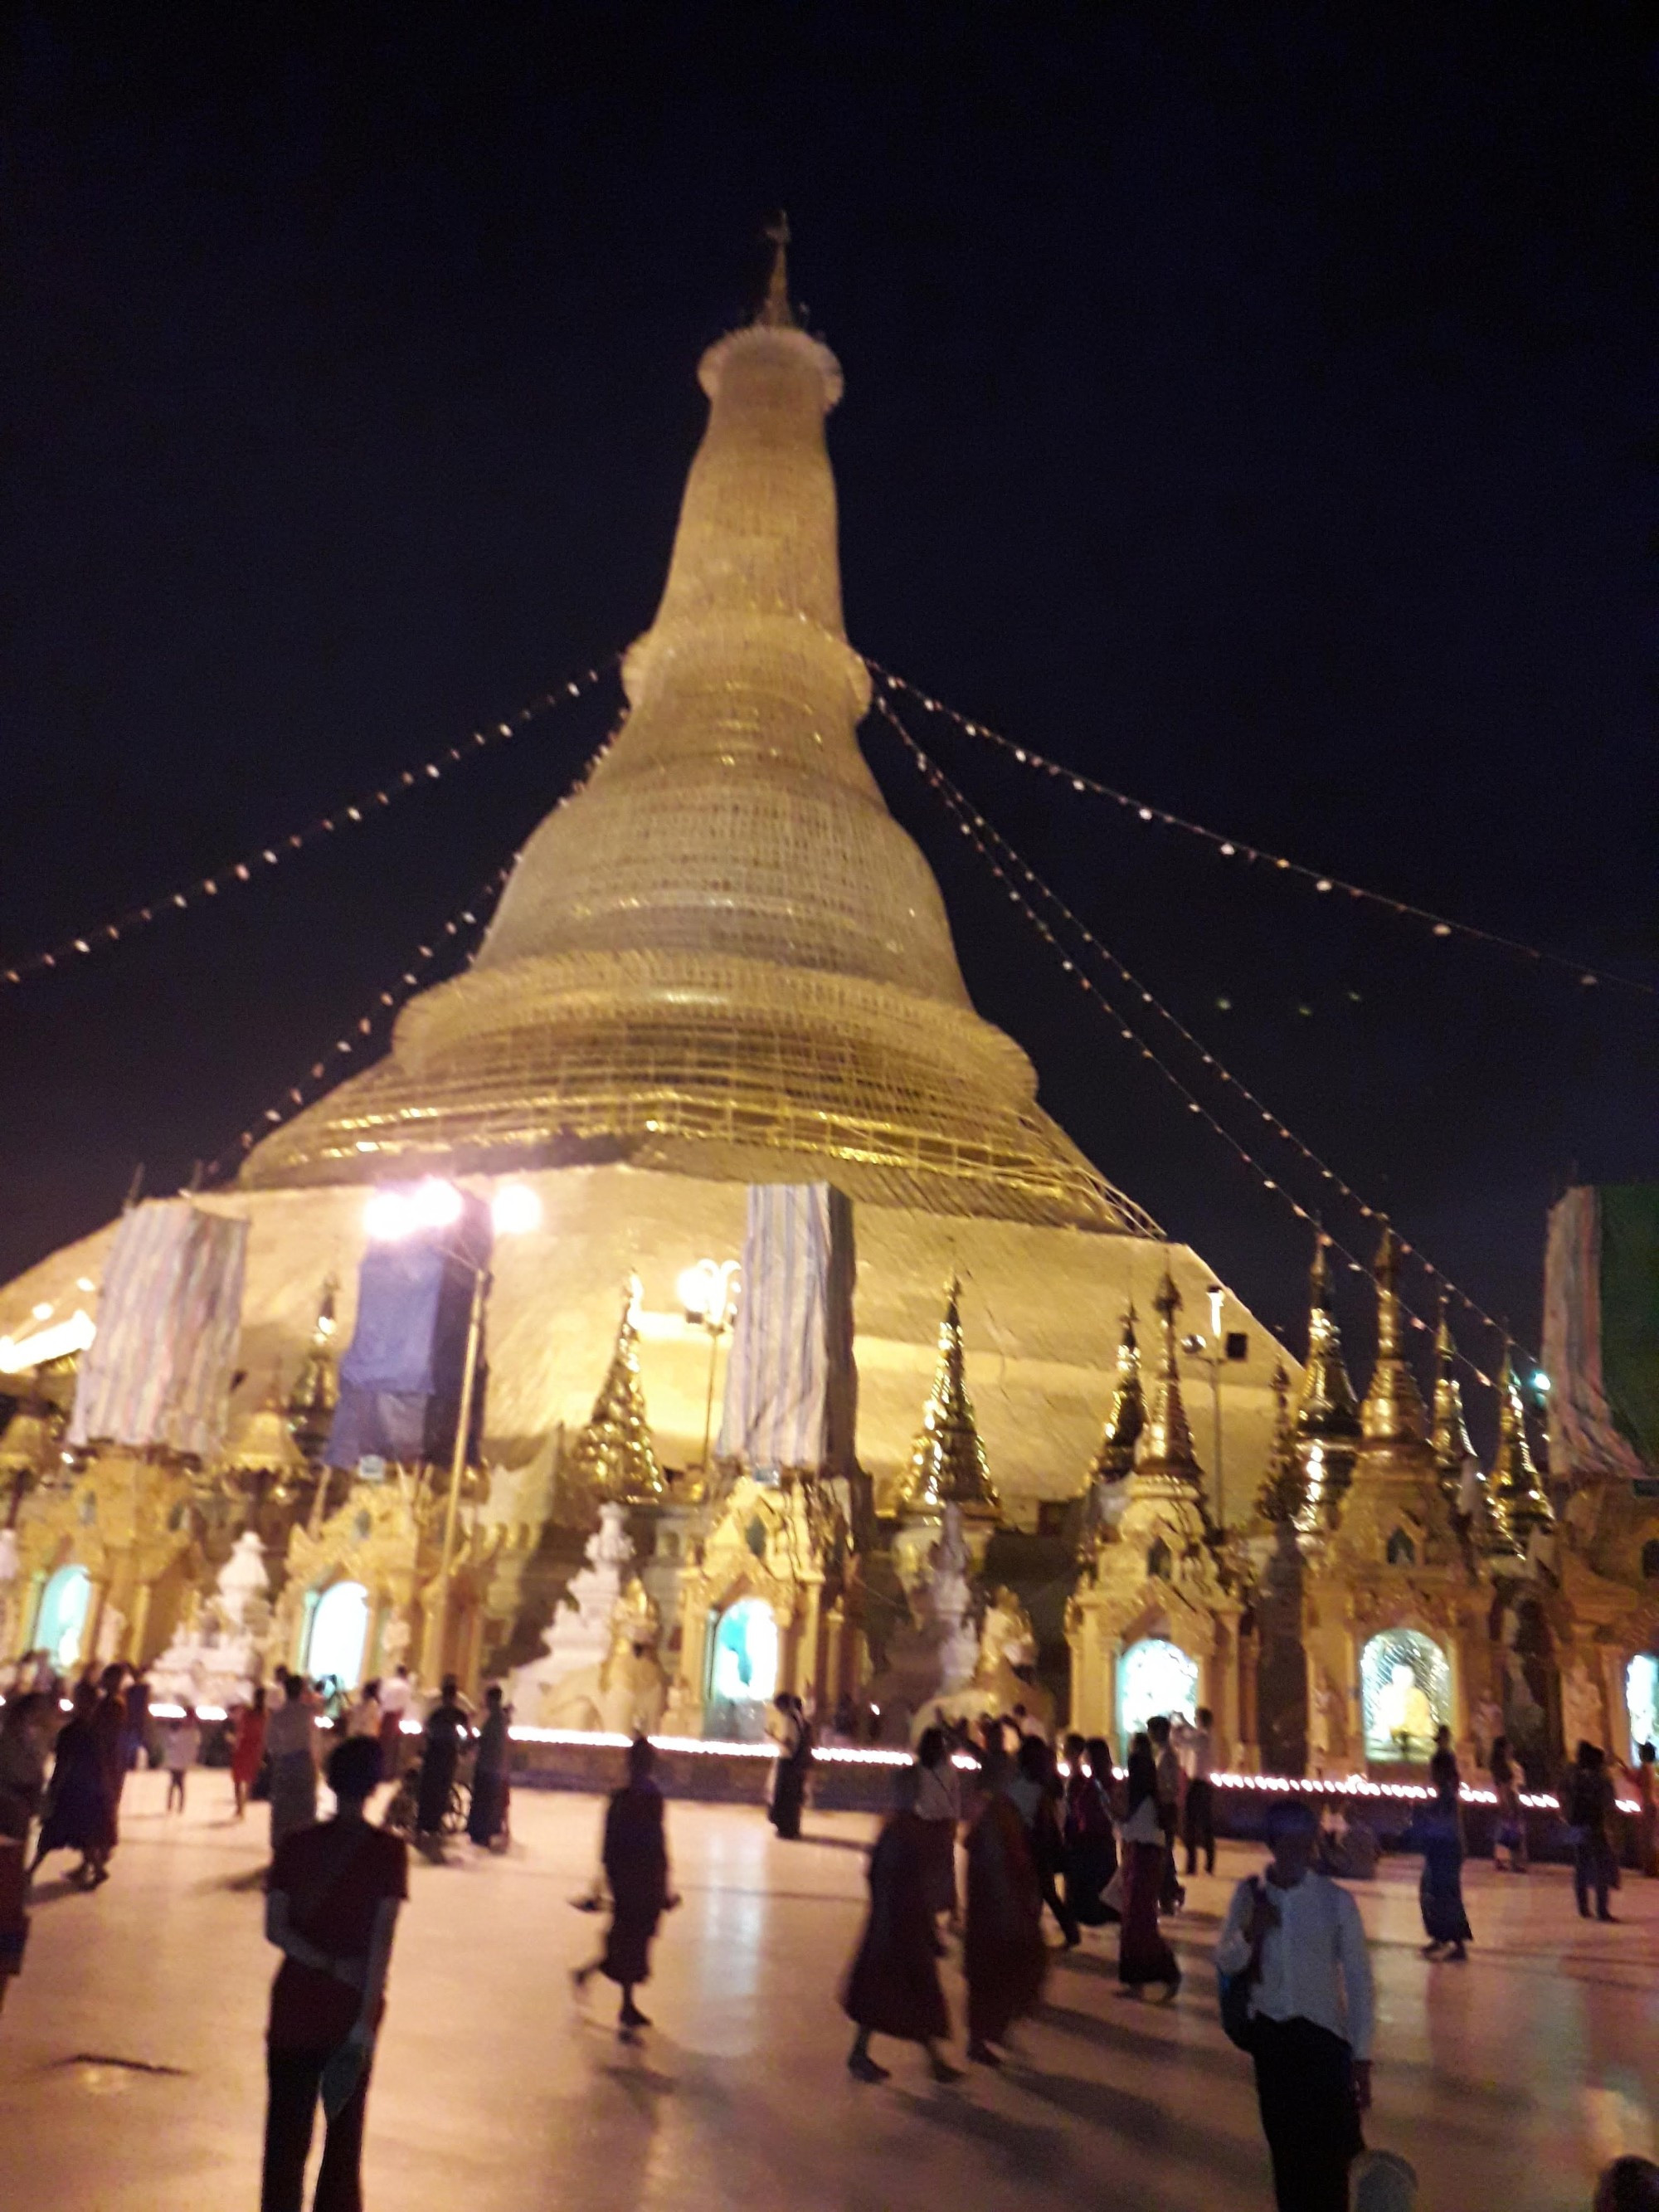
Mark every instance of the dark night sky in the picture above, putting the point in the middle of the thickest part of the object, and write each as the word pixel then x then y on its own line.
pixel 1259 413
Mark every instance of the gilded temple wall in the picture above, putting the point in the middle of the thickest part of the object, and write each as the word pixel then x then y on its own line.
pixel 1041 1312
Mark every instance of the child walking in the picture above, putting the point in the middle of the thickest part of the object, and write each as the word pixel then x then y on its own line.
pixel 184 1748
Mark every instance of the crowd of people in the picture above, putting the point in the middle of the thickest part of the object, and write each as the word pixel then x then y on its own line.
pixel 1038 1837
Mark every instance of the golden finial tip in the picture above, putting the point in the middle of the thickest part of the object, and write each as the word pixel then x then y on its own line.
pixel 776 311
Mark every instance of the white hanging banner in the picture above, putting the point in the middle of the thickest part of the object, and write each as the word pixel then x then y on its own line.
pixel 790 1384
pixel 158 1369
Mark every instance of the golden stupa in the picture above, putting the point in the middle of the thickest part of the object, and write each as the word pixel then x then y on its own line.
pixel 721 962
pixel 725 957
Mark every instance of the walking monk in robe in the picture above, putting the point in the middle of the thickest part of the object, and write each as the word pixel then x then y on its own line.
pixel 1003 1954
pixel 893 1985
pixel 637 1868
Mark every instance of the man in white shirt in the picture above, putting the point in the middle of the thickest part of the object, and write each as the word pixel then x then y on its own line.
pixel 1299 1939
pixel 1196 1747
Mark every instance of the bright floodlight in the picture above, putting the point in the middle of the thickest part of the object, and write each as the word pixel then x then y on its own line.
pixel 388 1216
pixel 437 1205
pixel 516 1210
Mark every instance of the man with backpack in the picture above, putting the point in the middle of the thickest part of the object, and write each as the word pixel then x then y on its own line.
pixel 1297 1992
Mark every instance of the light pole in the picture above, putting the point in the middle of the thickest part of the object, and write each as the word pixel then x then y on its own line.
pixel 1211 1353
pixel 392 1216
pixel 708 1292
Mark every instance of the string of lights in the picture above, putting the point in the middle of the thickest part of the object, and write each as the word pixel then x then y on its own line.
pixel 1013 870
pixel 323 1073
pixel 266 857
pixel 1231 848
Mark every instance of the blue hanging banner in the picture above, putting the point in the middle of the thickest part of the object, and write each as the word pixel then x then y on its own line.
pixel 400 1378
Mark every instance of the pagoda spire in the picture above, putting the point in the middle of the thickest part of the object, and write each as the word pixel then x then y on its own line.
pixel 1165 1446
pixel 775 312
pixel 613 1460
pixel 1453 1453
pixel 1327 1418
pixel 1393 1410
pixel 1519 1504
pixel 947 1460
pixel 1461 1479
pixel 1127 1416
pixel 1282 1497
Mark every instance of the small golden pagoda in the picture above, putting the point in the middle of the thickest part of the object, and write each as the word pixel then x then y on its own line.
pixel 1397 1614
pixel 1327 1412
pixel 613 1460
pixel 947 1460
pixel 1159 1573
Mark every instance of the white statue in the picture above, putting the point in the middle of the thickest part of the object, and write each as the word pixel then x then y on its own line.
pixel 242 1579
pixel 1403 1708
pixel 215 1655
pixel 949 1602
pixel 578 1638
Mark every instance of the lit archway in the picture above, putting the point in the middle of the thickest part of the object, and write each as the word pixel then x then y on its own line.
pixel 1642 1700
pixel 339 1630
pixel 1153 1676
pixel 1405 1695
pixel 64 1603
pixel 742 1667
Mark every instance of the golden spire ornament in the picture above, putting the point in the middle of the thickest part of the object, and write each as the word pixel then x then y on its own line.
pixel 613 1460
pixel 316 1390
pixel 1163 1453
pixel 1327 1418
pixel 1393 1410
pixel 776 311
pixel 1325 1404
pixel 947 1460
pixel 1128 1417
pixel 1519 1504
pixel 1282 1497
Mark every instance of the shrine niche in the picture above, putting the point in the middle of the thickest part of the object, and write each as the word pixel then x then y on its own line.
pixel 1405 1692
pixel 756 1604
pixel 1397 1603
pixel 385 1543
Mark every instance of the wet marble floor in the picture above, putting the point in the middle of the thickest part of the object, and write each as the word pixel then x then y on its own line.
pixel 130 2060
